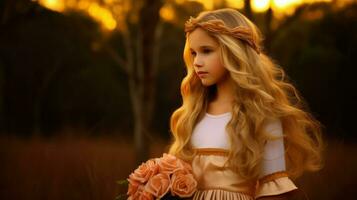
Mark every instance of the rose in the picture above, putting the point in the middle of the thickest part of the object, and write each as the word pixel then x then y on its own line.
pixel 152 179
pixel 158 185
pixel 169 164
pixel 144 172
pixel 141 194
pixel 185 166
pixel 146 196
pixel 133 187
pixel 183 184
pixel 138 192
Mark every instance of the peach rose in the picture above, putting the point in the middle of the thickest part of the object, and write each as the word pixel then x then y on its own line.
pixel 183 184
pixel 146 196
pixel 187 167
pixel 145 171
pixel 158 185
pixel 169 164
pixel 141 194
pixel 133 187
pixel 138 193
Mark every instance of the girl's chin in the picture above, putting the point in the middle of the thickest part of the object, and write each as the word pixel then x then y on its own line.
pixel 206 83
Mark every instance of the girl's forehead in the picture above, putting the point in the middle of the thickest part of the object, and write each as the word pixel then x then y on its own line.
pixel 199 38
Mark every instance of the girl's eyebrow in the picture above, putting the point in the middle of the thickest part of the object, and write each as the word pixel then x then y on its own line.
pixel 204 47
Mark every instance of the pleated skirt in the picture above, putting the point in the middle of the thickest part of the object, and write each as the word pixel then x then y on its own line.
pixel 217 194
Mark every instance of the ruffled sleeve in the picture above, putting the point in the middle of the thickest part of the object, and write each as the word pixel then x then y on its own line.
pixel 273 177
pixel 274 184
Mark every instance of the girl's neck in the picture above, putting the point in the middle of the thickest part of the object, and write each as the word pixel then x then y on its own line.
pixel 224 92
pixel 223 99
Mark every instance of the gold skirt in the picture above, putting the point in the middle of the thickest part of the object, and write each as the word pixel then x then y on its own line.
pixel 220 194
pixel 216 181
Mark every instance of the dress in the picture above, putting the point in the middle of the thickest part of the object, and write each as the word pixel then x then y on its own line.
pixel 216 181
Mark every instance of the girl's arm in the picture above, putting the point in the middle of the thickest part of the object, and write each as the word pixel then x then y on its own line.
pixel 274 178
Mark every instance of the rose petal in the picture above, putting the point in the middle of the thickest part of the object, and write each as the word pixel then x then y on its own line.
pixel 183 184
pixel 158 185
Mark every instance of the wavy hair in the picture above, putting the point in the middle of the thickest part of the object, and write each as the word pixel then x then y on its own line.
pixel 262 92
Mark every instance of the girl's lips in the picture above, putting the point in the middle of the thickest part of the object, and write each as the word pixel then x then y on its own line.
pixel 202 74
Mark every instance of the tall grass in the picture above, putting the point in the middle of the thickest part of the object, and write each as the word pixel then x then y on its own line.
pixel 66 167
pixel 88 168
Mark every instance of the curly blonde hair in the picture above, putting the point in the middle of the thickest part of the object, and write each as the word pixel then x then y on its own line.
pixel 262 92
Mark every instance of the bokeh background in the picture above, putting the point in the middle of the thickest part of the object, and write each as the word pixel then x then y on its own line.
pixel 87 87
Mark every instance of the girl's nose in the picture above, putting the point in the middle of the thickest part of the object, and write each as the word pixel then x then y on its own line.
pixel 197 62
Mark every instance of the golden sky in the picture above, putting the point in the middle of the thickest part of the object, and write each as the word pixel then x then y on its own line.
pixel 279 6
pixel 106 17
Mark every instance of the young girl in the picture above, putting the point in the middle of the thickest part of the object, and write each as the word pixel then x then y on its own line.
pixel 241 125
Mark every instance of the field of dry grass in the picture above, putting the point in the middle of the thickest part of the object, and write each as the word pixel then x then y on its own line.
pixel 88 168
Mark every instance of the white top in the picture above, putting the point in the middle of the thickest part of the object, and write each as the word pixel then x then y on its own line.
pixel 210 133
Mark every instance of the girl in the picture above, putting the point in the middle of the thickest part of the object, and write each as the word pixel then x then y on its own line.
pixel 241 125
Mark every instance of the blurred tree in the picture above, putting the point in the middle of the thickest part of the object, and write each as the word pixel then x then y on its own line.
pixel 171 66
pixel 38 48
pixel 141 42
pixel 248 9
pixel 140 29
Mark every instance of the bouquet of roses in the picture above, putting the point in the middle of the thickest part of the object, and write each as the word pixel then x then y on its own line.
pixel 166 177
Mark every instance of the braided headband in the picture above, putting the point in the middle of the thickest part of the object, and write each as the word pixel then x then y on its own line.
pixel 217 26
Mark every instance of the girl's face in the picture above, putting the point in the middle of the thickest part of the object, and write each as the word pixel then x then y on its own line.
pixel 205 51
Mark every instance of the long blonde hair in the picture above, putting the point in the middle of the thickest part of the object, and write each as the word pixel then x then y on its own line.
pixel 261 93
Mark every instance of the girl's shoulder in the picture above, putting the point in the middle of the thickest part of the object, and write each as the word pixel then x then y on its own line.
pixel 273 126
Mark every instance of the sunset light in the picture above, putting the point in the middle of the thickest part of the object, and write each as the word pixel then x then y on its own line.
pixel 103 15
pixel 167 13
pixel 285 3
pixel 260 5
pixel 109 18
pixel 286 6
pixel 280 7
pixel 235 4
pixel 96 11
pixel 56 5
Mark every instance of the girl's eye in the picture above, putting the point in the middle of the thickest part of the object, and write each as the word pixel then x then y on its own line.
pixel 206 51
pixel 193 53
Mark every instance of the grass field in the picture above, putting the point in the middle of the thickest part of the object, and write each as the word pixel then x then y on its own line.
pixel 88 168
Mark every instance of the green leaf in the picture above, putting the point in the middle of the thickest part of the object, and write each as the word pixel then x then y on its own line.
pixel 121 197
pixel 123 182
